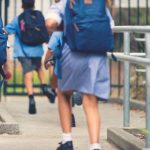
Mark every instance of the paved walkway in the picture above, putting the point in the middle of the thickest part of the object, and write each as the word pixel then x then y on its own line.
pixel 42 131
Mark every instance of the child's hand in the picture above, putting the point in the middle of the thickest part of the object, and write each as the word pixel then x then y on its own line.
pixel 47 65
pixel 8 75
pixel 7 72
pixel 47 61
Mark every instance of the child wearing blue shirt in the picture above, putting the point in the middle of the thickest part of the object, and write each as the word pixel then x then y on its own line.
pixel 30 59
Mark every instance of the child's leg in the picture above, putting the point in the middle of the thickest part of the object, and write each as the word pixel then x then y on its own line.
pixel 47 91
pixel 27 72
pixel 28 82
pixel 65 111
pixel 41 75
pixel 29 88
pixel 91 110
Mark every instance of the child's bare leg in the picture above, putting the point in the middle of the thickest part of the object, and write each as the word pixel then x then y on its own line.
pixel 91 110
pixel 65 111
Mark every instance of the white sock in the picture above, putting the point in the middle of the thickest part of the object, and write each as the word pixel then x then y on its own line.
pixel 95 146
pixel 66 137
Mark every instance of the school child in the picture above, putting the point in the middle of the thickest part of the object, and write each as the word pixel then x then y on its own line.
pixel 30 57
pixel 81 72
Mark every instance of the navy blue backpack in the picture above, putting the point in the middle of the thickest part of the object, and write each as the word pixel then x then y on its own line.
pixel 3 46
pixel 87 27
pixel 32 27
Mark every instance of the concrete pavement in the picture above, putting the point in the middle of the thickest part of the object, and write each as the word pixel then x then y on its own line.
pixel 42 131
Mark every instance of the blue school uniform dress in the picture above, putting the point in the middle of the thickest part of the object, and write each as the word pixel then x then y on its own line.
pixel 85 73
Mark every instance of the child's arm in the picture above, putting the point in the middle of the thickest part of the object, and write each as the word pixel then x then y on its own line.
pixel 11 27
pixel 54 41
pixel 49 54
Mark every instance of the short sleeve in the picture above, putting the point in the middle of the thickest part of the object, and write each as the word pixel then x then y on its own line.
pixel 55 40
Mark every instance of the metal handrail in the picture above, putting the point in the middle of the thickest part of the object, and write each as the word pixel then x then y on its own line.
pixel 132 59
pixel 139 39
pixel 131 54
pixel 127 59
pixel 138 29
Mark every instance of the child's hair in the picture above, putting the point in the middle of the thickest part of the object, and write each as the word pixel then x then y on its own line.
pixel 27 4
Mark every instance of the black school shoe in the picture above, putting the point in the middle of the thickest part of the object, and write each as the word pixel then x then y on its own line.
pixel 76 99
pixel 49 92
pixel 32 106
pixel 66 146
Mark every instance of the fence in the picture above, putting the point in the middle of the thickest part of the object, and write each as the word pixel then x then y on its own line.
pixel 127 59
pixel 10 8
pixel 131 12
pixel 124 12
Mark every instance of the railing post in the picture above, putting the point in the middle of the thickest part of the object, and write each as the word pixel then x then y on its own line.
pixel 126 101
pixel 148 92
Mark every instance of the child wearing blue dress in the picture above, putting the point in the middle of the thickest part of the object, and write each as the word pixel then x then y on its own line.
pixel 84 73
